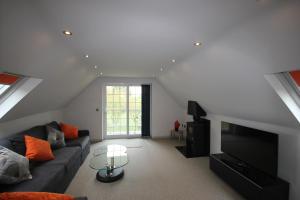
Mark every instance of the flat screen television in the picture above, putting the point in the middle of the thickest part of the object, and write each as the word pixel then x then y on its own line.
pixel 195 110
pixel 256 148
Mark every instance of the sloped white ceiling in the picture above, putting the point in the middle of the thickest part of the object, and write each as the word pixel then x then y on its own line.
pixel 134 38
pixel 227 76
pixel 242 41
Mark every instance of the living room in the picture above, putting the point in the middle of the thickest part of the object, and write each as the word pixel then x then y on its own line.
pixel 103 85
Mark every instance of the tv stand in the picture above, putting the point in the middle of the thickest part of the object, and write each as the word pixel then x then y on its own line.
pixel 249 182
pixel 198 138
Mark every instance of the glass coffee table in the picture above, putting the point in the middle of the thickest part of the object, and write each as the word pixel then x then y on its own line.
pixel 109 161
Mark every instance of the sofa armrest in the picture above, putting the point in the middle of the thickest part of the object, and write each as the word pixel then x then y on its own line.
pixel 82 133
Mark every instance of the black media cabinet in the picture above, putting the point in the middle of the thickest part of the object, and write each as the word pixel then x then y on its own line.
pixel 198 138
pixel 249 182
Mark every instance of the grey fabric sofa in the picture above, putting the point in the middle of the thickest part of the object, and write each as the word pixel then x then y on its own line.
pixel 50 176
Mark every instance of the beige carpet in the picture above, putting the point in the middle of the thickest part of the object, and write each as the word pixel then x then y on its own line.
pixel 156 170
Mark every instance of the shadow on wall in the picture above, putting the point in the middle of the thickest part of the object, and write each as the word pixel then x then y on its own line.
pixel 289 165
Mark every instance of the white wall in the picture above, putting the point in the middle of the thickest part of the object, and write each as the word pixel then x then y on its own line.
pixel 14 126
pixel 82 110
pixel 289 148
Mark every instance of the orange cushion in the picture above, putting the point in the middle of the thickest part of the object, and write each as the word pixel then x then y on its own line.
pixel 70 131
pixel 34 196
pixel 37 149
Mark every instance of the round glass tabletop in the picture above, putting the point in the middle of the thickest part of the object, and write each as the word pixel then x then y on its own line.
pixel 112 156
pixel 109 148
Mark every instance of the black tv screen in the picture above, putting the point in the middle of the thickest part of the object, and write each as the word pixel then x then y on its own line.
pixel 257 148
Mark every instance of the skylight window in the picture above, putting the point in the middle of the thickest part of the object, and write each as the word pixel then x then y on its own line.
pixel 294 79
pixel 287 86
pixel 6 81
pixel 291 81
pixel 13 88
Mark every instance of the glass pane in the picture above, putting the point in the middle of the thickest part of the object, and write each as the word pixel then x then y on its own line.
pixel 116 109
pixel 135 109
pixel 3 88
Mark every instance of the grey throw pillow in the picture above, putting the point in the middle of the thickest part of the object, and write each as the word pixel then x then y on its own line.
pixel 14 167
pixel 56 138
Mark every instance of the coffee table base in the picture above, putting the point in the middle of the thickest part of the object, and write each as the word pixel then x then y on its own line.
pixel 106 176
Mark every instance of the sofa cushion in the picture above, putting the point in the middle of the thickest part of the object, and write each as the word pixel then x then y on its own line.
pixel 14 167
pixel 18 142
pixel 56 138
pixel 37 149
pixel 70 131
pixel 65 156
pixel 81 142
pixel 54 125
pixel 82 133
pixel 34 196
pixel 6 143
pixel 45 178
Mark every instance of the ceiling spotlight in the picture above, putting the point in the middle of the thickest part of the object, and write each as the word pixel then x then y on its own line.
pixel 66 32
pixel 197 43
pixel 86 56
pixel 95 66
pixel 161 69
pixel 101 73
pixel 173 61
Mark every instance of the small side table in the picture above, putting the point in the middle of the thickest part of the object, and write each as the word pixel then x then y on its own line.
pixel 179 133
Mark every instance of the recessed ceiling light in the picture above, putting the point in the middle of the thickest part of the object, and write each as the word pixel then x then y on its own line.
pixel 86 56
pixel 101 73
pixel 66 32
pixel 161 69
pixel 197 43
pixel 173 61
pixel 95 66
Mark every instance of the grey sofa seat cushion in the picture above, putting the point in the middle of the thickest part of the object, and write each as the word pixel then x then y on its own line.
pixel 65 156
pixel 14 168
pixel 82 142
pixel 44 178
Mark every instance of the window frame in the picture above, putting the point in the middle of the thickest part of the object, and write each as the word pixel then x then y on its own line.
pixel 284 86
pixel 291 86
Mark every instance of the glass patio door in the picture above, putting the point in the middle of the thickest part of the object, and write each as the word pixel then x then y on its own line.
pixel 135 110
pixel 122 111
